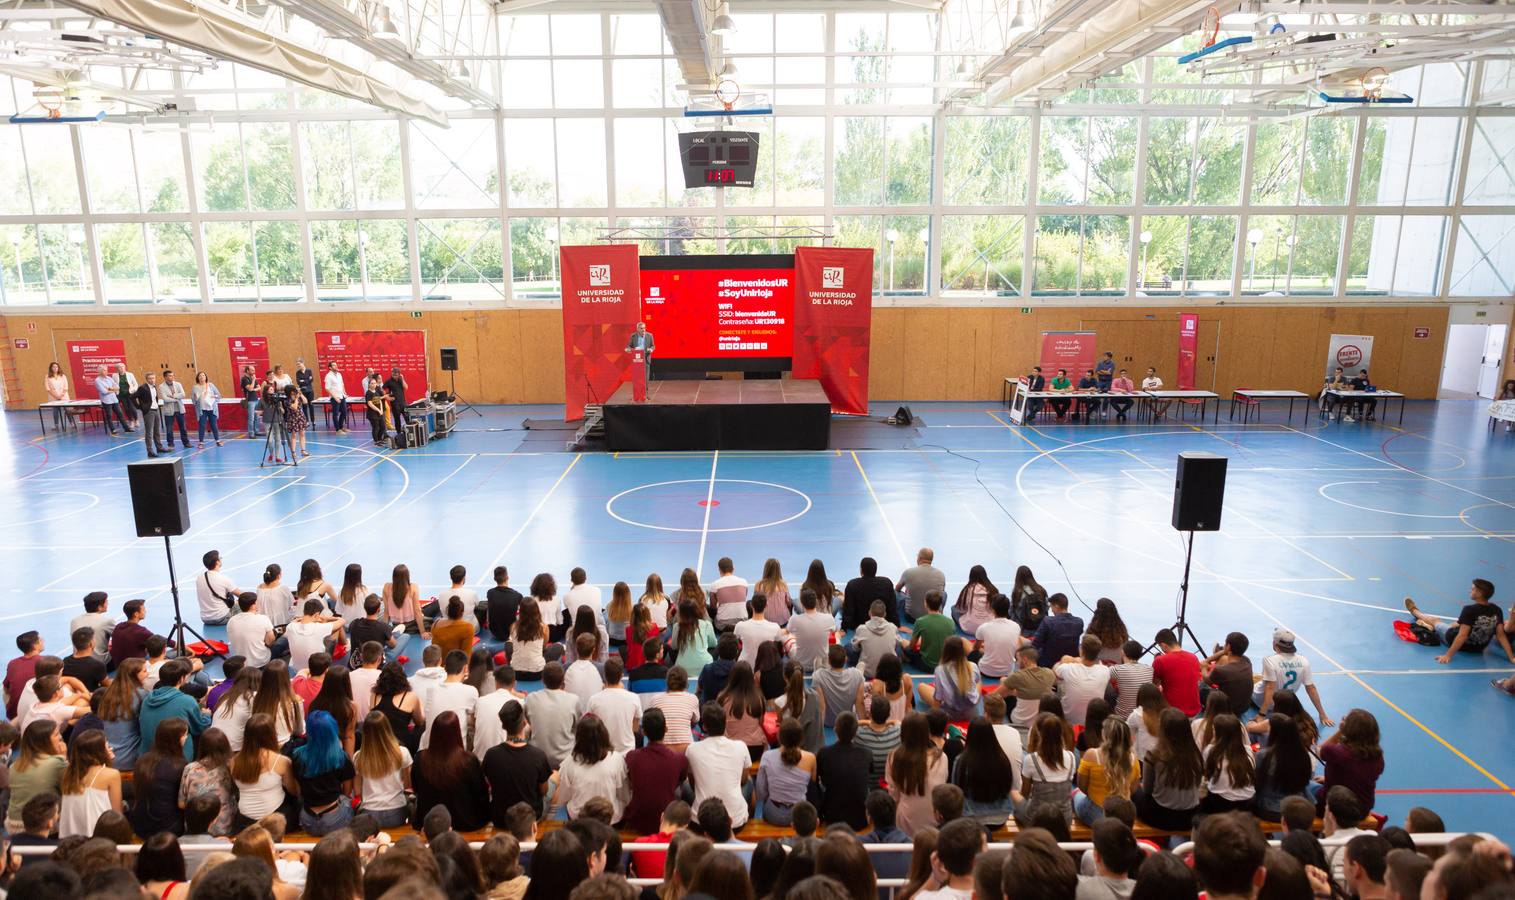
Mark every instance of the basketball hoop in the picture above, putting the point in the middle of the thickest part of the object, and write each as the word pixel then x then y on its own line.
pixel 728 92
pixel 51 100
pixel 1373 83
pixel 1210 29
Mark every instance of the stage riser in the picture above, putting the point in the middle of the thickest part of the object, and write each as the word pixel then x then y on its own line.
pixel 712 426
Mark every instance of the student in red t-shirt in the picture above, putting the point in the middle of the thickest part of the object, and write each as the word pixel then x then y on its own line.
pixel 1176 671
pixel 650 863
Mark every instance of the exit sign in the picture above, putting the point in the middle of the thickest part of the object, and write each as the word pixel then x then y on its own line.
pixel 21 343
pixel 416 314
pixel 1422 333
pixel 1025 310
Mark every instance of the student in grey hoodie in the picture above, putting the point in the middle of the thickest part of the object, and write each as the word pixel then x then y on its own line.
pixel 874 639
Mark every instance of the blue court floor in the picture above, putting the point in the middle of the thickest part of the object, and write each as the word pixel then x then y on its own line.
pixel 1327 527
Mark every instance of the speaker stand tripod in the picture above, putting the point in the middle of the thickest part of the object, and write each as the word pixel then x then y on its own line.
pixel 176 633
pixel 459 401
pixel 1181 627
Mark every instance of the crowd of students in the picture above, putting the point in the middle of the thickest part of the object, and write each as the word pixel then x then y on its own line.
pixel 683 717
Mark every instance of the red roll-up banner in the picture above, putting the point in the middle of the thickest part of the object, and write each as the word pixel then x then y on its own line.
pixel 1071 350
pixel 1188 347
pixel 244 351
pixel 85 359
pixel 356 352
pixel 833 322
pixel 601 306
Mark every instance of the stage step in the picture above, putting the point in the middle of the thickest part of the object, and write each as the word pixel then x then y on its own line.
pixel 593 427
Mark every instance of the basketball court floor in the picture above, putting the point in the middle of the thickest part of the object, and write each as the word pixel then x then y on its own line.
pixel 1327 527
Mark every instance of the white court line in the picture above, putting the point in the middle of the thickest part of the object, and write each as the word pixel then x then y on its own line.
pixel 79 460
pixel 1439 481
pixel 1441 671
pixel 699 566
pixel 888 524
pixel 488 578
pixel 37 612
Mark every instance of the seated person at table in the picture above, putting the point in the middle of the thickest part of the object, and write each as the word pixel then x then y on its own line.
pixel 1062 385
pixel 1088 384
pixel 1366 408
pixel 1337 381
pixel 1480 623
pixel 1153 383
pixel 1121 385
pixel 1034 383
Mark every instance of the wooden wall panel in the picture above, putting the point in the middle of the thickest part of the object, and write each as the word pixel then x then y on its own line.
pixel 919 353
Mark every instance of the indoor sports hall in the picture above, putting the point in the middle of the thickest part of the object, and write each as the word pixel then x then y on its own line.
pixel 1200 309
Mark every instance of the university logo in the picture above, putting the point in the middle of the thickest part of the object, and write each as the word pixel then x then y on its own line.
pixel 599 276
pixel 831 277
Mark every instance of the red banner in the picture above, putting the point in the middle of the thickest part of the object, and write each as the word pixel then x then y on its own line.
pixel 1071 350
pixel 244 351
pixel 1188 346
pixel 358 352
pixel 833 322
pixel 85 359
pixel 601 306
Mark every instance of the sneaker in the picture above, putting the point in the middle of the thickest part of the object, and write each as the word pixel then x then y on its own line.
pixel 1410 605
pixel 219 444
pixel 1348 419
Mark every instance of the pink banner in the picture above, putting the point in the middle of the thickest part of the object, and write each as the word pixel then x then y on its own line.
pixel 1071 350
pixel 1188 345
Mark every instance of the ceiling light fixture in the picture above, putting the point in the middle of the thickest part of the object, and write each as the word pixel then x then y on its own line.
pixel 728 69
pixel 1021 20
pixel 384 26
pixel 724 25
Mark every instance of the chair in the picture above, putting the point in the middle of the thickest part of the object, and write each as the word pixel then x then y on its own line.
pixel 1249 405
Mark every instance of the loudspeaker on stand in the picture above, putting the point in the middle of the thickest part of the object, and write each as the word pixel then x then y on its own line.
pixel 1199 491
pixel 159 503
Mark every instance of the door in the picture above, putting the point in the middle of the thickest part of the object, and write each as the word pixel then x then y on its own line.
pixel 1493 357
pixel 1460 367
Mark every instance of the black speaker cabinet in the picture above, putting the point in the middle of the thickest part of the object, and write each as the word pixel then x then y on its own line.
pixel 1199 491
pixel 158 500
pixel 449 359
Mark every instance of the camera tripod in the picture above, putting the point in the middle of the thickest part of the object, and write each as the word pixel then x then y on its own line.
pixel 276 442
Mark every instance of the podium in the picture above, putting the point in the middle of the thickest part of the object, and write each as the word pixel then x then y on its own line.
pixel 639 375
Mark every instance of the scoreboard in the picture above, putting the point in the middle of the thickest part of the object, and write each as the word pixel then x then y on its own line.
pixel 718 158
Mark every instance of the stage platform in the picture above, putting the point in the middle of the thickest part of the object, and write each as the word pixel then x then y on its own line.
pixel 778 414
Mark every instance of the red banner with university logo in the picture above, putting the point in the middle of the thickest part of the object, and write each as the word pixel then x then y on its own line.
pixel 358 352
pixel 601 306
pixel 1188 348
pixel 85 359
pixel 833 321
pixel 244 351
pixel 1070 350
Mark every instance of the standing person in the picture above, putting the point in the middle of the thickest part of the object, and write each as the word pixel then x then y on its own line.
pixel 295 420
pixel 305 380
pixel 336 391
pixel 376 408
pixel 1121 385
pixel 151 405
pixel 251 389
pixel 394 389
pixel 1104 378
pixel 109 391
pixel 972 607
pixel 207 401
pixel 56 385
pixel 171 393
pixel 270 397
pixel 1287 670
pixel 1176 671
pixel 916 582
pixel 126 386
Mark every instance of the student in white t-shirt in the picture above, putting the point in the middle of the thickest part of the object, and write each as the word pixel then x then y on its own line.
pixel 459 588
pixel 1081 680
pixel 958 845
pixel 618 708
pixel 756 631
pixel 216 593
pixel 452 695
pixel 997 640
pixel 275 600
pixel 582 677
pixel 313 632
pixel 728 595
pixel 718 766
pixel 366 675
pixel 580 593
pixel 250 634
pixel 1286 670
pixel 1153 383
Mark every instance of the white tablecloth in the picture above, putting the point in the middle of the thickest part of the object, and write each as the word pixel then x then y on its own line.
pixel 1504 410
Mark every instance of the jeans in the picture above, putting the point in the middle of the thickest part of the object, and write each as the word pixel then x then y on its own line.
pixel 317 824
pixel 1085 809
pixel 169 421
pixel 105 413
pixel 339 414
pixel 387 818
pixel 208 417
pixel 250 406
pixel 778 814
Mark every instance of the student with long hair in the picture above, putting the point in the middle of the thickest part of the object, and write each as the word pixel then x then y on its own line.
pixel 325 774
pixel 393 699
pixel 692 638
pixel 254 842
pixel 159 868
pixel 690 590
pixel 721 875
pixel 382 767
pixel 119 706
pixel 1287 703
pixel 768 666
pixel 1173 776
pixel 1110 769
pixel 276 699
pixel 744 706
pixel 911 771
pixel 1146 720
pixel 641 627
pixel 275 600
pixel 592 770
pixel 544 590
pixel 210 773
pixel 655 601
pixel 264 778
pixel 585 621
pixel 803 704
pixel 618 616
pixel 402 602
pixel 37 770
pixel 1283 768
pixel 349 604
pixel 894 684
pixel 1230 775
pixel 825 590
pixel 784 775
pixel 986 775
pixel 89 785
pixel 335 698
pixel 1028 600
pixel 1107 625
pixel 956 686
pixel 155 781
pixel 313 584
pixel 236 706
pixel 773 587
pixel 335 871
pixel 920 870
pixel 1352 758
pixel 972 608
pixel 1047 770
pixel 528 640
pixel 206 398
pixel 446 774
pixel 1095 716
pixel 558 865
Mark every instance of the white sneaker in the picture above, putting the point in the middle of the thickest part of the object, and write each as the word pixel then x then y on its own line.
pixel 1348 419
